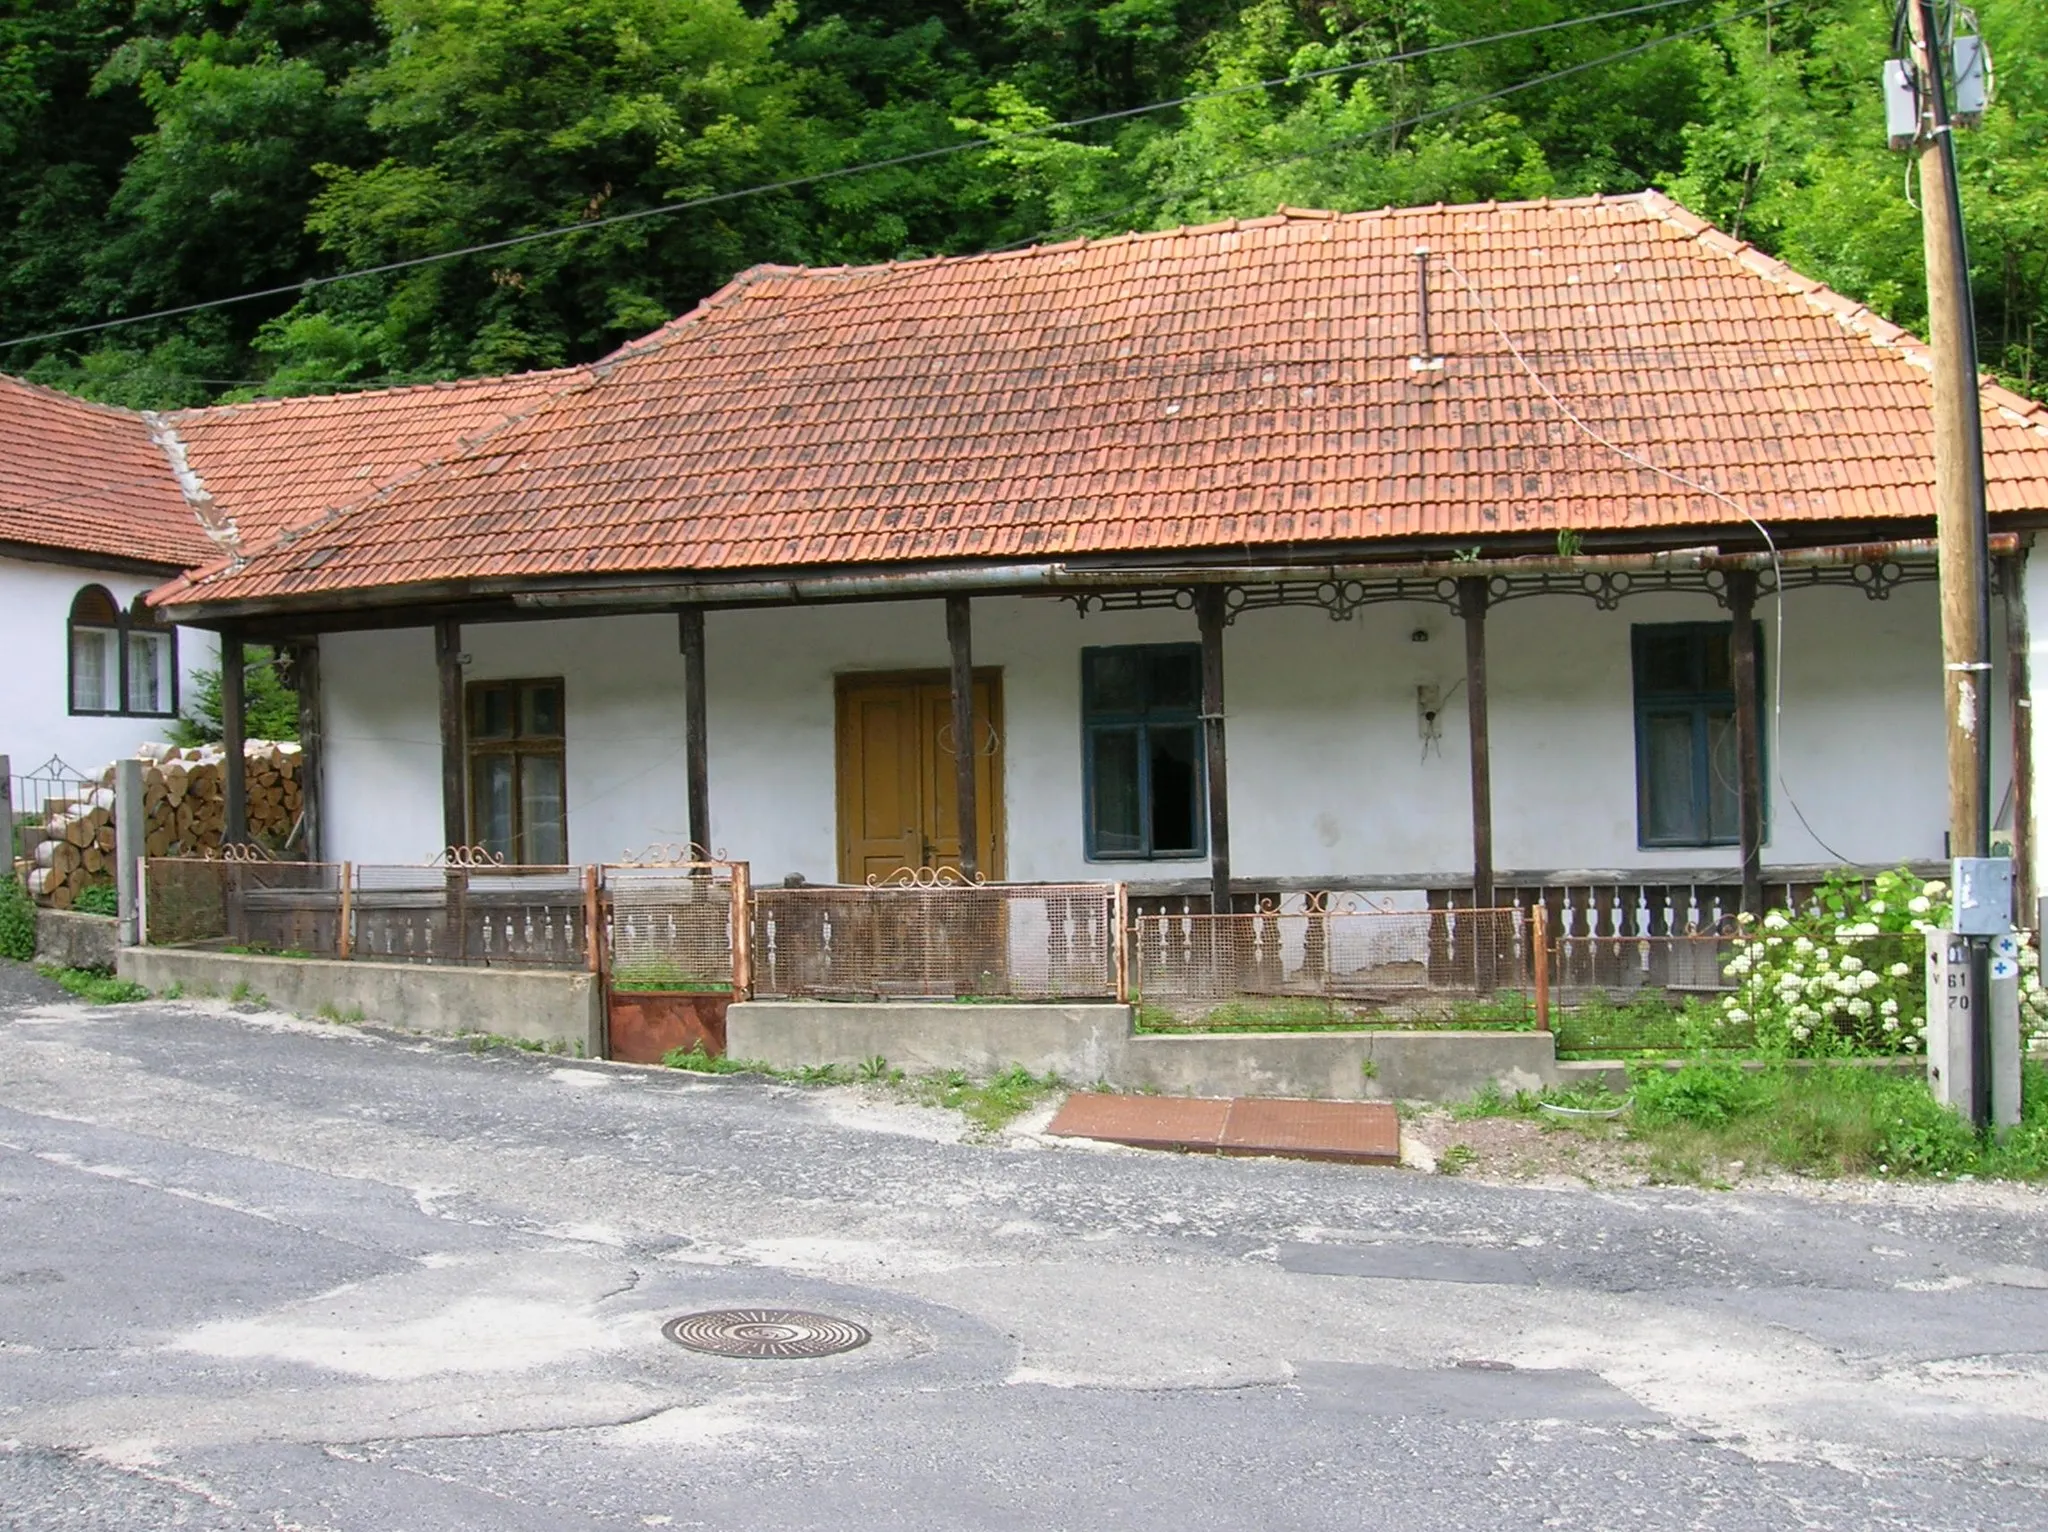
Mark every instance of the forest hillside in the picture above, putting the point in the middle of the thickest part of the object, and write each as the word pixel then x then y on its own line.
pixel 156 154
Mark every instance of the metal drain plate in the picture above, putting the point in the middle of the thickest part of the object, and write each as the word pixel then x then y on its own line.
pixel 765 1333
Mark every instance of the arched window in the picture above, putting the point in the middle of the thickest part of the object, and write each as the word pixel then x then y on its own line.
pixel 152 675
pixel 122 663
pixel 95 652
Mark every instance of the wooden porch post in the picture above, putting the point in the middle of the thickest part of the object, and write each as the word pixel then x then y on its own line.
pixel 1749 770
pixel 1472 603
pixel 1484 941
pixel 960 644
pixel 234 710
pixel 1210 613
pixel 306 673
pixel 2020 706
pixel 454 804
pixel 696 739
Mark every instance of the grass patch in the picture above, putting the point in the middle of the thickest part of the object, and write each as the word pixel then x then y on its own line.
pixel 1508 1011
pixel 17 919
pixel 991 1105
pixel 667 978
pixel 484 1042
pixel 93 984
pixel 1456 1159
pixel 1644 1023
pixel 695 1060
pixel 1709 1117
pixel 99 899
pixel 1282 1013
pixel 330 1012
pixel 283 952
pixel 245 993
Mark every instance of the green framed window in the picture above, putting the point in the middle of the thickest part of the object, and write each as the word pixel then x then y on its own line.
pixel 1144 766
pixel 1687 772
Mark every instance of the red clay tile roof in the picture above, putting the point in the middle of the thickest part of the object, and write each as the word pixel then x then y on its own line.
pixel 275 463
pixel 1246 385
pixel 83 478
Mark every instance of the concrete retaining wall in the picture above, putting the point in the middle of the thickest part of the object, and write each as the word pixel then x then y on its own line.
pixel 535 1007
pixel 75 941
pixel 1082 1043
pixel 1087 1044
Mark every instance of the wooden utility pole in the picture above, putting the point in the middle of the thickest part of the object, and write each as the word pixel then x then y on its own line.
pixel 1964 548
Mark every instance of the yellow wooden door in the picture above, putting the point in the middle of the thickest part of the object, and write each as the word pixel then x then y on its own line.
pixel 896 774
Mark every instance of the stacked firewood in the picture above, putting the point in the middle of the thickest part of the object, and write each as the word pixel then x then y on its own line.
pixel 184 805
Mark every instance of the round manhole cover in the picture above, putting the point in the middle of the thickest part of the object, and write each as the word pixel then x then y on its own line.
pixel 765 1333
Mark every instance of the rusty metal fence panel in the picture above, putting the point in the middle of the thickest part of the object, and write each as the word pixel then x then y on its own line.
pixel 672 926
pixel 484 913
pixel 1308 962
pixel 931 939
pixel 244 902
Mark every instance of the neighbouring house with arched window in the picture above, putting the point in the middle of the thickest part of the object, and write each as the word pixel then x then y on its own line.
pixel 99 506
pixel 91 520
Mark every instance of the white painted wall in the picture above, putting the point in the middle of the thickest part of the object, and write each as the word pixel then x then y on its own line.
pixel 1327 770
pixel 35 715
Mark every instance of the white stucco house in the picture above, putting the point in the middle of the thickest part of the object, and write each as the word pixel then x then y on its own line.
pixel 1241 568
pixel 100 505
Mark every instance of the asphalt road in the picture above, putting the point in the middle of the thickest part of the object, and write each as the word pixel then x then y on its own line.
pixel 257 1273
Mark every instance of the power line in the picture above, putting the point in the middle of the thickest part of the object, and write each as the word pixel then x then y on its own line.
pixel 793 183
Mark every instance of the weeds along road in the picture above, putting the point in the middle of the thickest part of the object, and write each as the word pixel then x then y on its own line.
pixel 258 1273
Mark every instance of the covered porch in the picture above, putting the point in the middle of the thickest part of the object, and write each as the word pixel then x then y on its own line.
pixel 1463 734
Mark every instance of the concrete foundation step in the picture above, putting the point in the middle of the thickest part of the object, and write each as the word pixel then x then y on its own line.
pixel 1348 1132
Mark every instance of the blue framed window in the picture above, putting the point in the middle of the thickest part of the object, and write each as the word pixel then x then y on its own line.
pixel 1687 772
pixel 1143 764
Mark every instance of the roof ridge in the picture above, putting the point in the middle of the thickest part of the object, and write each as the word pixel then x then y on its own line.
pixel 280 401
pixel 119 411
pixel 1857 318
pixel 286 536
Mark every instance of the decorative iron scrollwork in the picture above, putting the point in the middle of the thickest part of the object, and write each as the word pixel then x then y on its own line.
pixel 238 851
pixel 925 877
pixel 468 856
pixel 670 853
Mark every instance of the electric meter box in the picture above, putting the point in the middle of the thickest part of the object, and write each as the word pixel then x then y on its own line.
pixel 1901 104
pixel 1982 891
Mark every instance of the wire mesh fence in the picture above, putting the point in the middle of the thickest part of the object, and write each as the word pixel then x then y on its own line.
pixel 675 927
pixel 1310 964
pixel 60 831
pixel 489 914
pixel 998 941
pixel 519 917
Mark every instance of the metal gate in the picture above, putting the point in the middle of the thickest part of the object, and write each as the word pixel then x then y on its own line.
pixel 674 954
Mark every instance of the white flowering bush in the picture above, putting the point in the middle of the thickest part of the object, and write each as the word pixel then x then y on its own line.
pixel 1848 976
